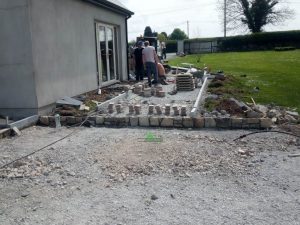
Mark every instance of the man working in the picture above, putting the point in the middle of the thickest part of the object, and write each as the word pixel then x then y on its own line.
pixel 150 59
pixel 161 74
pixel 138 60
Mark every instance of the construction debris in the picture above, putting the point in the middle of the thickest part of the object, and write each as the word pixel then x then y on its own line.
pixel 69 101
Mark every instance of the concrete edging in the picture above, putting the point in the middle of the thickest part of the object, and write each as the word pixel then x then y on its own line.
pixel 20 124
pixel 27 122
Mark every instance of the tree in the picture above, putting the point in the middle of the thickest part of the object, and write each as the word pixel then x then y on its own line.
pixel 148 32
pixel 162 36
pixel 178 34
pixel 165 34
pixel 254 14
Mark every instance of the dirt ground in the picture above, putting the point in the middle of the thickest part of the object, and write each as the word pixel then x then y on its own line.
pixel 149 176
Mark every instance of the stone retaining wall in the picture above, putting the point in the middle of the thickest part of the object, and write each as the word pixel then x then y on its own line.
pixel 163 121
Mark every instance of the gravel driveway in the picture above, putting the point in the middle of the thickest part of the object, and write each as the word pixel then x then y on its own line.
pixel 149 176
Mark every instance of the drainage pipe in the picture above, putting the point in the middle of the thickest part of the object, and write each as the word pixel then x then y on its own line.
pixel 199 97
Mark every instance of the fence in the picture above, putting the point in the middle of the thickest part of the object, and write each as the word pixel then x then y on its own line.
pixel 197 47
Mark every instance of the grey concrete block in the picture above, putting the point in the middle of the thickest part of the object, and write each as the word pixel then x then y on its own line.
pixel 154 121
pixel 27 122
pixel 134 121
pixel 265 123
pixel 177 122
pixel 99 120
pixel 236 123
pixel 167 122
pixel 187 122
pixel 44 120
pixel 199 122
pixel 144 121
pixel 210 122
pixel 223 122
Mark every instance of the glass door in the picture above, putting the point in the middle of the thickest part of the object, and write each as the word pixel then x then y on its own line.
pixel 106 52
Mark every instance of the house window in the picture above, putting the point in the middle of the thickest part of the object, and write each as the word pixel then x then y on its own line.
pixel 106 52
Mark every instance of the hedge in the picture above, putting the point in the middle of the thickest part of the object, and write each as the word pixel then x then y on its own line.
pixel 260 41
pixel 257 41
pixel 171 46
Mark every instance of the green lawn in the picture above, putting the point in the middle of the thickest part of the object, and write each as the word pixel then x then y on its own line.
pixel 277 74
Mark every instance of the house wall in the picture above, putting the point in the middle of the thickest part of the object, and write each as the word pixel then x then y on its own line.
pixel 64 47
pixel 17 87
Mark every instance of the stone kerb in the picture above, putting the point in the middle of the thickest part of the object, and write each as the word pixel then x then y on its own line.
pixel 162 121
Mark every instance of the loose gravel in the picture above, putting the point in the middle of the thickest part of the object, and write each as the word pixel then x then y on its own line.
pixel 149 176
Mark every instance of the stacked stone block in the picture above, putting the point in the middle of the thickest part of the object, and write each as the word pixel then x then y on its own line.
pixel 119 108
pixel 176 110
pixel 158 109
pixel 137 109
pixel 151 109
pixel 167 109
pixel 110 108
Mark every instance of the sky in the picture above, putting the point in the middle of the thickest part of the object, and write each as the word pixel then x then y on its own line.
pixel 200 17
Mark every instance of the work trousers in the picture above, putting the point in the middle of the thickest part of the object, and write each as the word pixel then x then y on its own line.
pixel 139 72
pixel 151 69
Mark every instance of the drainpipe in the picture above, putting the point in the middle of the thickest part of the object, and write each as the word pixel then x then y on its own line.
pixel 127 52
pixel 199 97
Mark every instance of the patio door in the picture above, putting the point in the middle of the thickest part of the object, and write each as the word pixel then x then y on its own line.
pixel 106 53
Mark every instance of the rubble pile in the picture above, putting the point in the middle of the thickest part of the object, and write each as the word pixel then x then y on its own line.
pixel 234 108
pixel 219 104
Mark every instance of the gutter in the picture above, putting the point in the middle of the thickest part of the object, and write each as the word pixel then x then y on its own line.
pixel 111 6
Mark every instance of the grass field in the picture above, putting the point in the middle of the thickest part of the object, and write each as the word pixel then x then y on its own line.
pixel 277 74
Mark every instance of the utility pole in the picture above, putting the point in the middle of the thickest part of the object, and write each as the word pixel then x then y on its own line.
pixel 225 12
pixel 188 28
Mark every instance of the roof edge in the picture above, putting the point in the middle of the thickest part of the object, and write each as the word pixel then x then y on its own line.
pixel 111 6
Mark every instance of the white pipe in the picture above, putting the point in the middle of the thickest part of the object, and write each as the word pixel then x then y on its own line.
pixel 196 105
